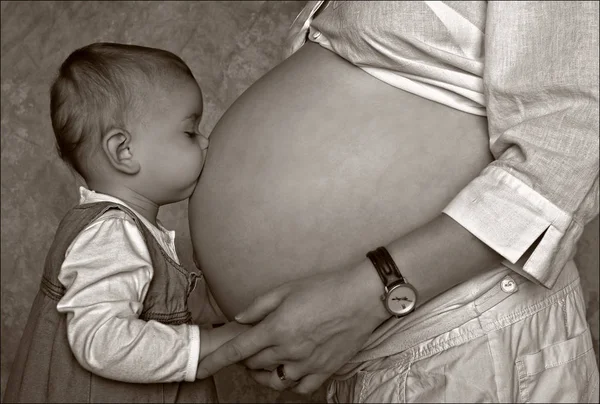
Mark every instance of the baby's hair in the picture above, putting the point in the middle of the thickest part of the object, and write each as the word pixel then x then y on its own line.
pixel 98 87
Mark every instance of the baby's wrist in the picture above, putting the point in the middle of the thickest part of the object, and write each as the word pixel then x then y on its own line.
pixel 205 343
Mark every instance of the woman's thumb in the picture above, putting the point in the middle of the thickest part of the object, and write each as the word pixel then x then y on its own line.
pixel 261 307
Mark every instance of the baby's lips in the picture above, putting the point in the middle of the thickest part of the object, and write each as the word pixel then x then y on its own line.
pixel 204 142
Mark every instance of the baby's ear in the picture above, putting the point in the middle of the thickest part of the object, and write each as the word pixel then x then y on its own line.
pixel 116 144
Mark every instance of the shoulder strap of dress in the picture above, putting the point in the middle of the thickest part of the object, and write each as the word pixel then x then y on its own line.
pixel 77 219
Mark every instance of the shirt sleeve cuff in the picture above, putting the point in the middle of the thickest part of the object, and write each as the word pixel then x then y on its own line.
pixel 509 216
pixel 192 366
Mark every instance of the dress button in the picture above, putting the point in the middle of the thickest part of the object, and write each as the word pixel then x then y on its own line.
pixel 508 285
pixel 316 35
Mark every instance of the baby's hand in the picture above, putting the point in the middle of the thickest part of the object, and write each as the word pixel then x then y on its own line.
pixel 212 339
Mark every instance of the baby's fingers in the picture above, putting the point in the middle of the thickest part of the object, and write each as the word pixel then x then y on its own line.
pixel 235 350
pixel 227 332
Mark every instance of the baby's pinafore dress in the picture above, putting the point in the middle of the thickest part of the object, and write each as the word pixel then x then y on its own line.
pixel 45 369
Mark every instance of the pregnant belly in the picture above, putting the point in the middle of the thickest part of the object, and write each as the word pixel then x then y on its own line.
pixel 316 164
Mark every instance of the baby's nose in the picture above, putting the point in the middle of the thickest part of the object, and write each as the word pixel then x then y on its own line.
pixel 204 142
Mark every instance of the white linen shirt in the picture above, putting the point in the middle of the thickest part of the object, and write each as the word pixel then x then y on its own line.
pixel 106 272
pixel 531 67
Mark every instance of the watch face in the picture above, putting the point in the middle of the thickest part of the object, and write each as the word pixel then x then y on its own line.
pixel 401 299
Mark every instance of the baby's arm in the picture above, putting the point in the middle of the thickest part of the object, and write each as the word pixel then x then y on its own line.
pixel 107 272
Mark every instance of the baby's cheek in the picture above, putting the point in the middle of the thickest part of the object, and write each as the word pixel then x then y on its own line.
pixel 195 162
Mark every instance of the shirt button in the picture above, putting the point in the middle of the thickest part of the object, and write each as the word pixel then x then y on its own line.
pixel 508 285
pixel 316 35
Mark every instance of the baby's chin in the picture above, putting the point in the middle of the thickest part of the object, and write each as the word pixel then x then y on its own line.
pixel 180 195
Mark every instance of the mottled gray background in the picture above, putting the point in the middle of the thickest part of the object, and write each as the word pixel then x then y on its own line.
pixel 228 46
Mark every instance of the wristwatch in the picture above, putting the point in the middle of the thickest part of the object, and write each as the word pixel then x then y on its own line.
pixel 399 297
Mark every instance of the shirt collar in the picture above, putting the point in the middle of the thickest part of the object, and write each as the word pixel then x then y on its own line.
pixel 90 196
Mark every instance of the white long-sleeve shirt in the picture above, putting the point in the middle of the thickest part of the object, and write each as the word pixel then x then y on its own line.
pixel 106 272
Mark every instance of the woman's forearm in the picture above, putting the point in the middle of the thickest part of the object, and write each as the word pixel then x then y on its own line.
pixel 433 258
pixel 326 318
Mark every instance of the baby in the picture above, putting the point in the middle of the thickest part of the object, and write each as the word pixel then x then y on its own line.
pixel 111 318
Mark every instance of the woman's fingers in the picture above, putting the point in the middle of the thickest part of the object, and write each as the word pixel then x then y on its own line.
pixel 239 348
pixel 310 383
pixel 265 359
pixel 315 324
pixel 292 380
pixel 273 379
pixel 273 356
pixel 261 306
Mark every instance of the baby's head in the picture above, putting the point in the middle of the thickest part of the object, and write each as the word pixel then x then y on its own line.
pixel 126 117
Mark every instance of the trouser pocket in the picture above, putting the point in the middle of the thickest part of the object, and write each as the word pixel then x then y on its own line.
pixel 455 369
pixel 562 372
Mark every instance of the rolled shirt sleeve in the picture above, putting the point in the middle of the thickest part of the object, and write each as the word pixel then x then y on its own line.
pixel 541 86
pixel 107 272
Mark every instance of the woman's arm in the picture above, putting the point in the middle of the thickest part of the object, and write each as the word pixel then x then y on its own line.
pixel 541 87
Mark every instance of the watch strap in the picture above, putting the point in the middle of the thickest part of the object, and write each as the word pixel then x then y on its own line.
pixel 385 266
pixel 385 254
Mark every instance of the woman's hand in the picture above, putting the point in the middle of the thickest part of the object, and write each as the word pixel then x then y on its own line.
pixel 312 326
